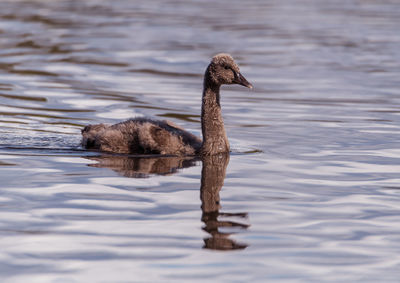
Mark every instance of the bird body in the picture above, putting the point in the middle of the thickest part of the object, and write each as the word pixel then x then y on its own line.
pixel 147 136
pixel 141 136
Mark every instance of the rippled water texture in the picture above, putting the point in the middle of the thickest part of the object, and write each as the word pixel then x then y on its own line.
pixel 310 193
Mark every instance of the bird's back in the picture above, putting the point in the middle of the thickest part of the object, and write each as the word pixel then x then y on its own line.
pixel 141 136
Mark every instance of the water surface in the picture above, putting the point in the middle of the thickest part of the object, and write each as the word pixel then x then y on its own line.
pixel 310 192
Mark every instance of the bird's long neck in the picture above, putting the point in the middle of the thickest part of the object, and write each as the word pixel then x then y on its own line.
pixel 214 136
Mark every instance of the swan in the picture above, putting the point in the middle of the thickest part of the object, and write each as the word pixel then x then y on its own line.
pixel 147 136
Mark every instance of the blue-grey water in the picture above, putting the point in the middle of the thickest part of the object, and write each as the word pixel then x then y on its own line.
pixel 310 193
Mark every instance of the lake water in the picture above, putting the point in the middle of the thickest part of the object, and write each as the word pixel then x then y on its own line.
pixel 310 192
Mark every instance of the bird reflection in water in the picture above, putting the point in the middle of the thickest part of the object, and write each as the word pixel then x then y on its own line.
pixel 212 179
pixel 144 166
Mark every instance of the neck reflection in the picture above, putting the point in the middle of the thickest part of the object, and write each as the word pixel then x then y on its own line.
pixel 212 180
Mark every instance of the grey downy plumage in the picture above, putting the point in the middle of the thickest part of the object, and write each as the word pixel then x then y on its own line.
pixel 147 136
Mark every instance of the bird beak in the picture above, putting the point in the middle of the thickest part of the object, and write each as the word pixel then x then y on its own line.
pixel 239 79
